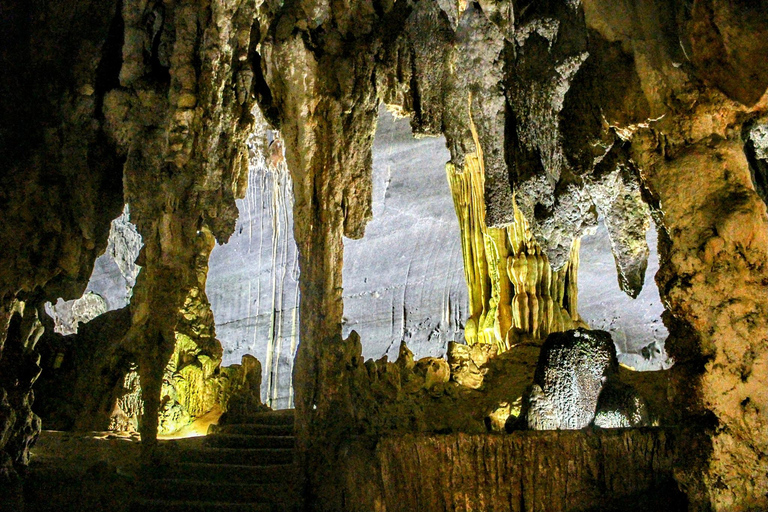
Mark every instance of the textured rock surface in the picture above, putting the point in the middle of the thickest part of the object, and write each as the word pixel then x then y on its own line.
pixel 115 271
pixel 67 315
pixel 419 299
pixel 478 389
pixel 84 374
pixel 719 251
pixel 180 112
pixel 549 48
pixel 253 279
pixel 61 181
pixel 620 406
pixel 19 369
pixel 91 380
pixel 510 282
pixel 111 283
pixel 573 367
pixel 125 84
pixel 628 470
pixel 634 324
pixel 666 93
pixel 615 190
pixel 713 225
pixel 404 281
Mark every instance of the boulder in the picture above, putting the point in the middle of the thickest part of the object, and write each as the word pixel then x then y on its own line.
pixel 573 367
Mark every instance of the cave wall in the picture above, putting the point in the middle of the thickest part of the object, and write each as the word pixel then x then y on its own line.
pixel 103 105
pixel 253 279
pixel 62 183
pixel 403 281
pixel 635 325
pixel 609 470
pixel 693 165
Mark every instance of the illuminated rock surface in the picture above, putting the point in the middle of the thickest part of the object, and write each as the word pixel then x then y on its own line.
pixel 253 278
pixel 576 383
pixel 404 279
pixel 111 283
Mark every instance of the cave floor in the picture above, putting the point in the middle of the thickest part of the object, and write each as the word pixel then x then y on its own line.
pixel 81 471
pixel 236 467
pixel 621 469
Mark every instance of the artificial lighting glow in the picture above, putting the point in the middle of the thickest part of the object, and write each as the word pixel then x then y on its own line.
pixel 197 428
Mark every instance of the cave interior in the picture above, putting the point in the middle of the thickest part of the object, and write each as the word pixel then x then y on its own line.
pixel 384 255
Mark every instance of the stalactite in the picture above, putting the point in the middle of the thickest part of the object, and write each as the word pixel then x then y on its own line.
pixel 510 281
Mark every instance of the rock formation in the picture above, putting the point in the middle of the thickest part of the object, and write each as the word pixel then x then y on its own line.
pixel 620 406
pixel 62 182
pixel 91 380
pixel 611 470
pixel 577 384
pixel 510 282
pixel 566 108
pixel 180 113
pixel 570 373
pixel 111 283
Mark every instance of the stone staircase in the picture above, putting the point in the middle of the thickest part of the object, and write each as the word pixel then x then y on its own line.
pixel 235 468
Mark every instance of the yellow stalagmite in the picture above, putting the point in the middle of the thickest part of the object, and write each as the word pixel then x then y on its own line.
pixel 510 282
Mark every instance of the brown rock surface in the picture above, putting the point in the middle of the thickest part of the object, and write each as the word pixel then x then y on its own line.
pixel 61 180
pixel 180 115
pixel 578 470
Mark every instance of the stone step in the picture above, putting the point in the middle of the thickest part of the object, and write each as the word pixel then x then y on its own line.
pixel 144 505
pixel 233 473
pixel 219 492
pixel 248 441
pixel 281 417
pixel 252 429
pixel 237 456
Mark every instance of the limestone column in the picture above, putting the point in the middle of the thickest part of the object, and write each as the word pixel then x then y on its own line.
pixel 714 278
pixel 181 115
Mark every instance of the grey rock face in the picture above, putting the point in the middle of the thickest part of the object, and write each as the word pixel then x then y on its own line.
pixel 67 315
pixel 572 368
pixel 111 283
pixel 634 324
pixel 481 46
pixel 404 280
pixel 620 406
pixel 252 281
pixel 114 273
